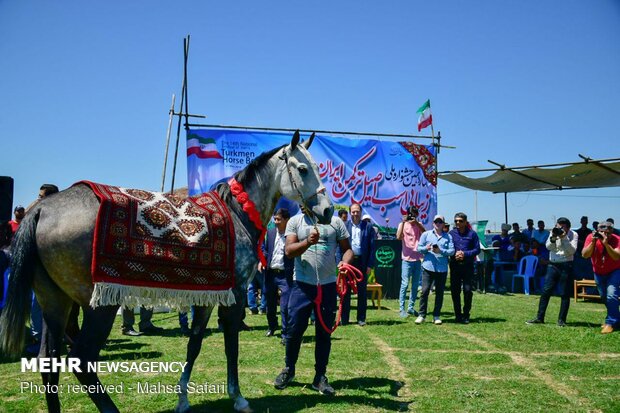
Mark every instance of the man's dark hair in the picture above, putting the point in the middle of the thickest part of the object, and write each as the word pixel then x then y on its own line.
pixel 412 210
pixel 342 212
pixel 355 203
pixel 283 212
pixel 460 215
pixel 49 189
pixel 564 221
pixel 610 220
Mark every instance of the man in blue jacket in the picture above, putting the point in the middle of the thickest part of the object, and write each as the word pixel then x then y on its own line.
pixel 278 274
pixel 362 237
pixel 467 246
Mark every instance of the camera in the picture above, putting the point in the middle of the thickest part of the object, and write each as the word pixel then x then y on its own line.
pixel 557 232
pixel 597 235
pixel 412 213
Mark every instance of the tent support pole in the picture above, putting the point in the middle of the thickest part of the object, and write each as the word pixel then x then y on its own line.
pixel 183 101
pixel 599 164
pixel 163 175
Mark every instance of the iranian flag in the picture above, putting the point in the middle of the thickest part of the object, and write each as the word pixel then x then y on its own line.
pixel 426 117
pixel 202 147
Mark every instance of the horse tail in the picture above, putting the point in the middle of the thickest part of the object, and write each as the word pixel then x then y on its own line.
pixel 19 296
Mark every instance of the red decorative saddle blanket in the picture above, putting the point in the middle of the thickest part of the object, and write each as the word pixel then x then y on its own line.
pixel 158 249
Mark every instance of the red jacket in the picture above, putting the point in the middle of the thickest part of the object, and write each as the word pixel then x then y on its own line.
pixel 602 263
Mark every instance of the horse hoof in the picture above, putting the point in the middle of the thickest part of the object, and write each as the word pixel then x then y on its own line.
pixel 243 406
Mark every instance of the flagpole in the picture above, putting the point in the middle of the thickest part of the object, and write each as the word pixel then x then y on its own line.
pixel 436 145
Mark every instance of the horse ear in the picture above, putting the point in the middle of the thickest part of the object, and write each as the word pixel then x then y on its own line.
pixel 309 141
pixel 295 140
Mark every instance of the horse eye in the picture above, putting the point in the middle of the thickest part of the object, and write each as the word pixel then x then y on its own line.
pixel 303 169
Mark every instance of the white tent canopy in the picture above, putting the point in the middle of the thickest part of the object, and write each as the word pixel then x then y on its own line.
pixel 587 174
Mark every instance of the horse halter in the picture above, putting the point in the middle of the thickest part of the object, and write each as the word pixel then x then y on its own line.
pixel 304 200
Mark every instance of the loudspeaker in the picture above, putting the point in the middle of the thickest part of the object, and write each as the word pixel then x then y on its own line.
pixel 6 198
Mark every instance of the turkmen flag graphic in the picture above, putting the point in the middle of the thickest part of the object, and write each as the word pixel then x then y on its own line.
pixel 202 147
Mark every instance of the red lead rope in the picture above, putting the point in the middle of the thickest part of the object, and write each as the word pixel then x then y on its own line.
pixel 348 277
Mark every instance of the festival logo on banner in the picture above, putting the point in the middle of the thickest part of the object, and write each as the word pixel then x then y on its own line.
pixel 385 177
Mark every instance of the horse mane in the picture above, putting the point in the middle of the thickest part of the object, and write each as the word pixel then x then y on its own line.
pixel 256 166
pixel 253 171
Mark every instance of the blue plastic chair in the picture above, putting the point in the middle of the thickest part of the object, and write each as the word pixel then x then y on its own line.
pixel 527 270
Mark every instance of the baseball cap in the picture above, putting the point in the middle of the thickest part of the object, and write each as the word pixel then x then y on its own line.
pixel 506 227
pixel 439 217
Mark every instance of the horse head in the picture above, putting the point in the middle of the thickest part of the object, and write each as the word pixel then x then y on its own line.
pixel 301 180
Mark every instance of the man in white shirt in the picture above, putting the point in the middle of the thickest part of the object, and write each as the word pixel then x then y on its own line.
pixel 562 244
pixel 362 237
pixel 313 246
pixel 278 274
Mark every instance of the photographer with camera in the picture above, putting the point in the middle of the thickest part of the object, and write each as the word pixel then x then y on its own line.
pixel 437 246
pixel 409 232
pixel 562 244
pixel 603 246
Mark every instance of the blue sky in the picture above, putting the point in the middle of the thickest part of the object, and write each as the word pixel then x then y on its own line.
pixel 86 86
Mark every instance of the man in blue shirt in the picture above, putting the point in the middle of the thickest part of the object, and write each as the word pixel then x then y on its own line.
pixel 467 246
pixel 502 241
pixel 529 231
pixel 436 246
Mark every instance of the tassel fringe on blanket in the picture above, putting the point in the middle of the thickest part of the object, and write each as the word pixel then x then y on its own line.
pixel 133 296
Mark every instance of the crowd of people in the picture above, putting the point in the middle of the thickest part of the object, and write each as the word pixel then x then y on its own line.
pixel 565 255
pixel 305 259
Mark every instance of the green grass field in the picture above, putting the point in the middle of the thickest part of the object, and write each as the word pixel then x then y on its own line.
pixel 495 364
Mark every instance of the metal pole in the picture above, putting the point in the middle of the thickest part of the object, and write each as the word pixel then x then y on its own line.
pixel 476 204
pixel 176 151
pixel 259 128
pixel 163 175
pixel 506 207
pixel 437 145
pixel 185 77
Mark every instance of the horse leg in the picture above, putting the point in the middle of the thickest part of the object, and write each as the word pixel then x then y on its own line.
pixel 73 327
pixel 96 328
pixel 55 306
pixel 231 319
pixel 199 326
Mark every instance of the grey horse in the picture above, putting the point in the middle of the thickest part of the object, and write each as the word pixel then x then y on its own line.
pixel 53 251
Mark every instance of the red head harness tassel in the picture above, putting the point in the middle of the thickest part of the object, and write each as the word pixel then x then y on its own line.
pixel 250 209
